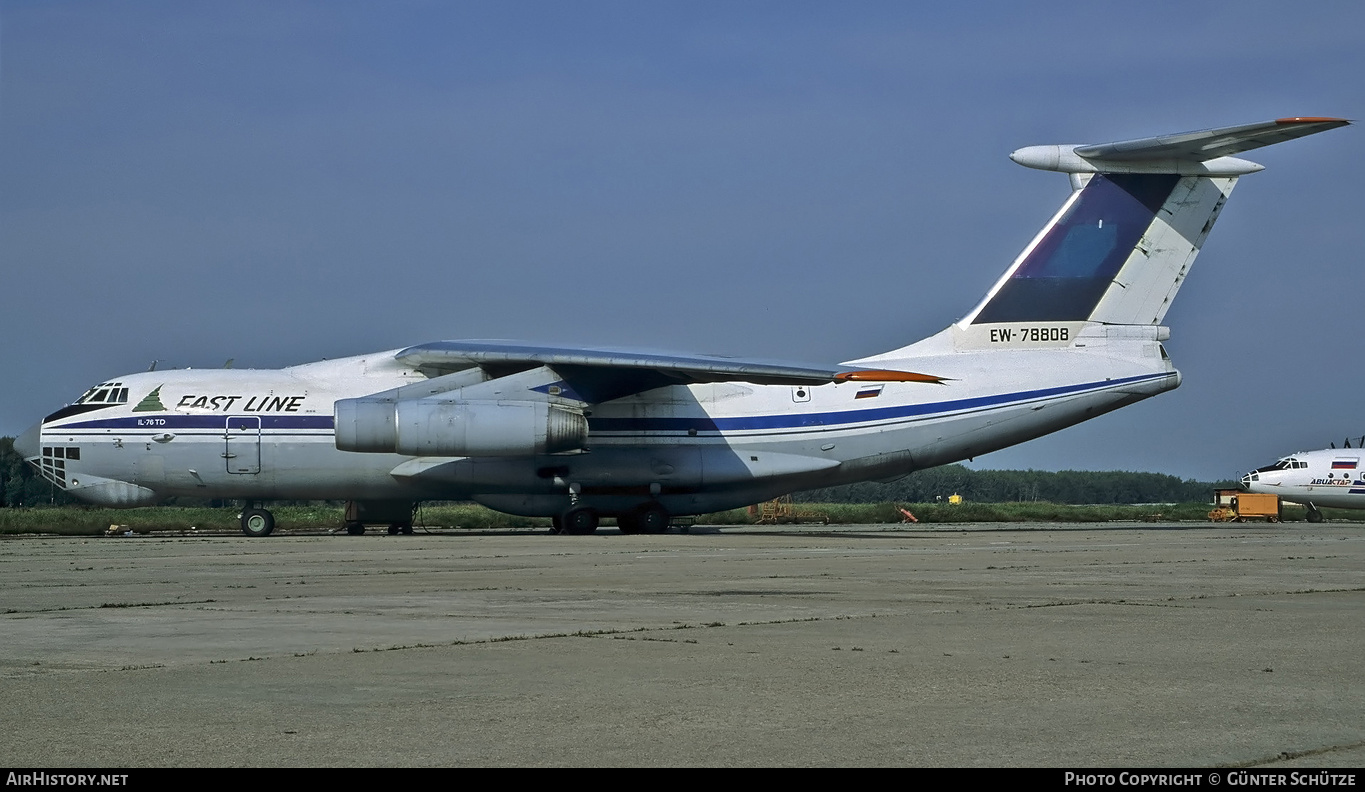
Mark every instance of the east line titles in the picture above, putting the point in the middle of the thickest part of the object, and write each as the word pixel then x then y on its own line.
pixel 253 403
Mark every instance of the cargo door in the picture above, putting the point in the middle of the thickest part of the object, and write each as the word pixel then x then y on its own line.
pixel 243 444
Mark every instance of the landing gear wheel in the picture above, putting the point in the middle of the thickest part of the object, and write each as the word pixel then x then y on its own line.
pixel 257 522
pixel 580 522
pixel 1314 516
pixel 405 529
pixel 355 529
pixel 629 523
pixel 393 530
pixel 556 524
pixel 653 519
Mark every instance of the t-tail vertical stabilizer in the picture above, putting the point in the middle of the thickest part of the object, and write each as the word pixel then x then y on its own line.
pixel 1110 262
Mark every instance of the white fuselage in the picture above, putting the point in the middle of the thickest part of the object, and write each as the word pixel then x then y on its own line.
pixel 1331 477
pixel 269 434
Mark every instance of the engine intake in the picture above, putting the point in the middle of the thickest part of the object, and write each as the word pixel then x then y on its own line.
pixel 437 427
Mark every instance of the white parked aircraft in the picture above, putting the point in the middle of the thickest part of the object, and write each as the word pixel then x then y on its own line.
pixel 1332 477
pixel 1070 331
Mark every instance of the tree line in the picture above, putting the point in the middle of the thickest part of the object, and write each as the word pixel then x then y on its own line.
pixel 21 485
pixel 1009 486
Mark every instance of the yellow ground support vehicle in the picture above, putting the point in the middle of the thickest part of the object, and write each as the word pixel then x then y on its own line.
pixel 1238 506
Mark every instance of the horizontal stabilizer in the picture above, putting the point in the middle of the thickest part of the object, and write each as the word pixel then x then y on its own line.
pixel 1206 152
pixel 1211 143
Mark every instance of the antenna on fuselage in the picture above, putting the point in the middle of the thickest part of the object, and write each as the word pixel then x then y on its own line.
pixel 228 364
pixel 153 366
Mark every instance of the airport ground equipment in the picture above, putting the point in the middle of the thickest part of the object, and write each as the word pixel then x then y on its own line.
pixel 1237 506
pixel 781 511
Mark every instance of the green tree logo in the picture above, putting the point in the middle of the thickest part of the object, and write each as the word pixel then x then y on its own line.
pixel 151 402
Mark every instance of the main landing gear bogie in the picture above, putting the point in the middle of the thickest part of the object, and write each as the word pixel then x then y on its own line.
pixel 579 522
pixel 582 520
pixel 653 519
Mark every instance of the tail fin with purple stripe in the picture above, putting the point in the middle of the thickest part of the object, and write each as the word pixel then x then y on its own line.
pixel 1111 260
pixel 1116 252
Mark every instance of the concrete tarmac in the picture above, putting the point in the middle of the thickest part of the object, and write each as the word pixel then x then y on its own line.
pixel 1114 645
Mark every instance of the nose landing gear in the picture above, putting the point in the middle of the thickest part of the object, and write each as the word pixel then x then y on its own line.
pixel 257 522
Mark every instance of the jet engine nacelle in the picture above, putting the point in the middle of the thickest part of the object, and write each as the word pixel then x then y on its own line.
pixel 435 427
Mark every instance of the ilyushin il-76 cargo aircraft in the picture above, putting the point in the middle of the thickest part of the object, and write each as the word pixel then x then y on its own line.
pixel 1071 330
pixel 1332 477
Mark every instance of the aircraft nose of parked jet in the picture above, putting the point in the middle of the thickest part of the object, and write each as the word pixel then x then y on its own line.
pixel 29 444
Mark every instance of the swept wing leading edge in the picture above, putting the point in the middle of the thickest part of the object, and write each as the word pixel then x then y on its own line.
pixel 604 374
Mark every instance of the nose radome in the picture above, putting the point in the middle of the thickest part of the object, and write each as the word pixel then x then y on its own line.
pixel 29 444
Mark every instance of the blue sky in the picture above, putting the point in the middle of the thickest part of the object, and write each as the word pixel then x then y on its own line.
pixel 279 182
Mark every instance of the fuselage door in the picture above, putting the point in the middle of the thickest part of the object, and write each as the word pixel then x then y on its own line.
pixel 242 451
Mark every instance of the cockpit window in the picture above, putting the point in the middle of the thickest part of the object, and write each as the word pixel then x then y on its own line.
pixel 105 393
pixel 1288 463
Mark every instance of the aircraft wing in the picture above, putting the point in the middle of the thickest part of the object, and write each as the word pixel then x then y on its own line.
pixel 1209 144
pixel 598 375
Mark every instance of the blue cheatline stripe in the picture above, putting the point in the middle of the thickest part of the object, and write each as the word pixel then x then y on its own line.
pixel 1071 267
pixel 281 423
pixel 844 417
pixel 176 421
